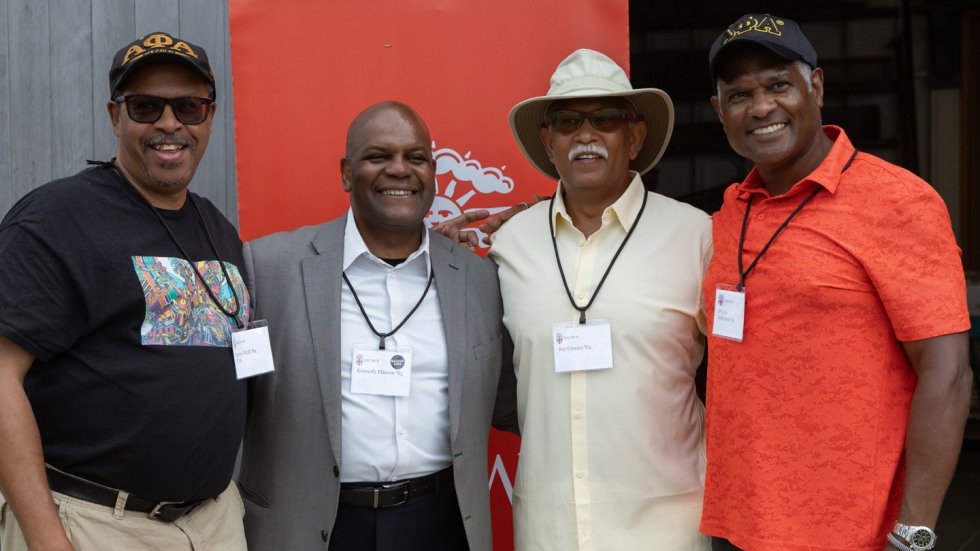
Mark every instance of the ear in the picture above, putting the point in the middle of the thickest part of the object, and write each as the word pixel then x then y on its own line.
pixel 817 79
pixel 345 174
pixel 212 109
pixel 114 115
pixel 638 134
pixel 716 104
pixel 545 135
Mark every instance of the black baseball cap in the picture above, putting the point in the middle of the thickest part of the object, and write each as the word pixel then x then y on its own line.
pixel 782 36
pixel 157 47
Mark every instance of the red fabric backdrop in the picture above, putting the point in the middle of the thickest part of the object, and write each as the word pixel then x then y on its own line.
pixel 302 70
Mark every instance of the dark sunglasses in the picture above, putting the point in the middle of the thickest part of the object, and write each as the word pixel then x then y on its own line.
pixel 148 109
pixel 603 120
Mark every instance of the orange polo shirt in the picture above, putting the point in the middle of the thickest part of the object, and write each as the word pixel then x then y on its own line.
pixel 807 415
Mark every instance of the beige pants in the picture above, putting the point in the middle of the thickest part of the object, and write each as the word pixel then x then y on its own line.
pixel 215 525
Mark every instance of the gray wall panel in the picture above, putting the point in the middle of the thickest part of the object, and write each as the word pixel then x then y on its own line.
pixel 71 63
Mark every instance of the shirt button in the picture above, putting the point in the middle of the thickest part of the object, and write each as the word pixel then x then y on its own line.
pixel 762 216
pixel 580 294
pixel 577 415
pixel 579 474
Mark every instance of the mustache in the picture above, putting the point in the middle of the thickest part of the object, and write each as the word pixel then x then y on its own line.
pixel 178 139
pixel 593 148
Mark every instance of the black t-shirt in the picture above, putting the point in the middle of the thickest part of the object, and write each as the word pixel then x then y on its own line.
pixel 134 383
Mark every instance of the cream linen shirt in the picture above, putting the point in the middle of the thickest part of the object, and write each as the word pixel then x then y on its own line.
pixel 610 460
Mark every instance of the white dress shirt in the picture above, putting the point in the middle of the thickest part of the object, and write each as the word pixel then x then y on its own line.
pixel 611 459
pixel 390 438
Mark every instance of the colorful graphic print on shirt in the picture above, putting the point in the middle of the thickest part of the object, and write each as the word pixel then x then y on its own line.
pixel 179 311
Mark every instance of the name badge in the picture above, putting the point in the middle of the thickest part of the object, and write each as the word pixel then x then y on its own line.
pixel 729 313
pixel 252 350
pixel 582 347
pixel 385 372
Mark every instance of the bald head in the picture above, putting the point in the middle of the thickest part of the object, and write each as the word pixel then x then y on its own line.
pixel 367 118
pixel 389 173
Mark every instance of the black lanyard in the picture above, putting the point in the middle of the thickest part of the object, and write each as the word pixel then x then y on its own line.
pixel 745 220
pixel 207 232
pixel 383 336
pixel 554 243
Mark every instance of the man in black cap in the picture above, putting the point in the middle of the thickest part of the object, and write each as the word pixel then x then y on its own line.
pixel 120 410
pixel 839 384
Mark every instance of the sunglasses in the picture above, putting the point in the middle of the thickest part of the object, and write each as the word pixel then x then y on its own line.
pixel 148 109
pixel 603 120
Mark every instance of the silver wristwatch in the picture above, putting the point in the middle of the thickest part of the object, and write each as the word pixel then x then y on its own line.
pixel 917 538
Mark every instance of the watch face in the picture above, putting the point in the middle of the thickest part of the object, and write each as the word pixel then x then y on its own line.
pixel 922 539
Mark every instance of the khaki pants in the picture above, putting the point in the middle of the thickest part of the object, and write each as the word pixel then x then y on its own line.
pixel 215 525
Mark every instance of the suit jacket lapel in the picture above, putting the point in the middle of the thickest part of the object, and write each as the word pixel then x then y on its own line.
pixel 450 282
pixel 322 281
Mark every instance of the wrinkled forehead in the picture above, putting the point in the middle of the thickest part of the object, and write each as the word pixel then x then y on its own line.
pixel 590 104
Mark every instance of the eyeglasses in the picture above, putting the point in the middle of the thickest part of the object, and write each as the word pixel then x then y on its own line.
pixel 603 120
pixel 148 109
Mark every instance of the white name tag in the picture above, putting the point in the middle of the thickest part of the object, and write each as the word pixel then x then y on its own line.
pixel 252 350
pixel 582 347
pixel 729 313
pixel 385 372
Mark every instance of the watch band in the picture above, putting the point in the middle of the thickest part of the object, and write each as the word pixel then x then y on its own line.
pixel 897 543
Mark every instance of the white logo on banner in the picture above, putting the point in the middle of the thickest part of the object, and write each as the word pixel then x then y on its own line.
pixel 501 471
pixel 459 179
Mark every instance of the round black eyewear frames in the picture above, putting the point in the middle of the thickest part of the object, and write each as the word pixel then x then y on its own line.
pixel 603 120
pixel 148 109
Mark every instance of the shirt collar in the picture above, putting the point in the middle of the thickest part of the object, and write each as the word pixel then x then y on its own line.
pixel 354 248
pixel 828 174
pixel 623 211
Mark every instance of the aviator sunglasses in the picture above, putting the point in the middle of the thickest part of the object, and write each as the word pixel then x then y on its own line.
pixel 148 109
pixel 603 120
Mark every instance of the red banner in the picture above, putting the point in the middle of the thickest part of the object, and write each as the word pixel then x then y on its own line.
pixel 303 69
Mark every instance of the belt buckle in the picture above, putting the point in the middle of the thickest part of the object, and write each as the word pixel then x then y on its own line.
pixel 395 486
pixel 169 511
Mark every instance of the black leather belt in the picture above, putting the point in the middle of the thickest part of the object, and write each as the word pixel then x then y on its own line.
pixel 390 494
pixel 164 511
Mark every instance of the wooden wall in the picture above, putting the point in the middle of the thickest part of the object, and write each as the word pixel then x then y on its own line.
pixel 54 85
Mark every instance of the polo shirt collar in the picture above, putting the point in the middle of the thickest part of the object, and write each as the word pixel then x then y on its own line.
pixel 828 174
pixel 623 211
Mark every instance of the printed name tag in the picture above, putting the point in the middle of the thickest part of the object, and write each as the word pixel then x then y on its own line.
pixel 729 313
pixel 252 350
pixel 385 372
pixel 582 347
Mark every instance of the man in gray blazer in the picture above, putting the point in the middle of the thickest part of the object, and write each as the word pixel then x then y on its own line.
pixel 389 350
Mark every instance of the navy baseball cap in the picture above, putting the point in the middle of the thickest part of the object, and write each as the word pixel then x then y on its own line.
pixel 782 36
pixel 157 47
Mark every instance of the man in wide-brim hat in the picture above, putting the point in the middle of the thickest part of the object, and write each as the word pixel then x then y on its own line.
pixel 601 296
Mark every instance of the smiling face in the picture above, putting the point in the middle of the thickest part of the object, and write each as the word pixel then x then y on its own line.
pixel 590 159
pixel 771 116
pixel 390 175
pixel 160 158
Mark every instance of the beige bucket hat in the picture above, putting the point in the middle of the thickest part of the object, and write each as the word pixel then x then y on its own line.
pixel 591 74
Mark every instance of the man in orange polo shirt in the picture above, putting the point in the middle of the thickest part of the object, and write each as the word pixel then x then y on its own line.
pixel 839 382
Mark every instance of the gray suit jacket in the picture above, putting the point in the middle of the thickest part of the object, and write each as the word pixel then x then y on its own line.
pixel 291 463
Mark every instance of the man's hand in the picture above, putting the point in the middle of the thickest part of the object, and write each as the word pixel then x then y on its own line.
pixel 455 228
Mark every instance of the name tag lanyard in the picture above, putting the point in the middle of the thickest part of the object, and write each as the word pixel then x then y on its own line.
pixel 383 336
pixel 238 305
pixel 554 243
pixel 745 220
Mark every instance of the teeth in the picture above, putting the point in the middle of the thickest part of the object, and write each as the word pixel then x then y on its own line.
pixel 767 129
pixel 167 147
pixel 396 192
